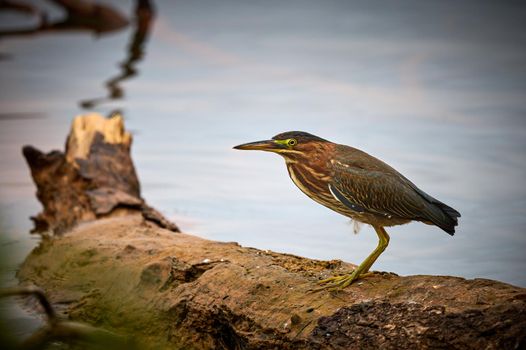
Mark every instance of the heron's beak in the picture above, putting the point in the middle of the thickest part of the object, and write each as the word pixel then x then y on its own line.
pixel 267 145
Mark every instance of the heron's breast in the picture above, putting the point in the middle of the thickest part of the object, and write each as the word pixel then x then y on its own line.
pixel 312 182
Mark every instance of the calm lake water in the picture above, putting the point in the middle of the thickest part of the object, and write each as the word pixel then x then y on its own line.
pixel 436 89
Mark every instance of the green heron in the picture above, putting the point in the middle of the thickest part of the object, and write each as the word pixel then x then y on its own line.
pixel 357 185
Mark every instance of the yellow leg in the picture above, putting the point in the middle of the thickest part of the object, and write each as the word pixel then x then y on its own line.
pixel 363 268
pixel 382 244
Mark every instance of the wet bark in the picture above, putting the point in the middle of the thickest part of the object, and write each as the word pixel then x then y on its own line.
pixel 130 276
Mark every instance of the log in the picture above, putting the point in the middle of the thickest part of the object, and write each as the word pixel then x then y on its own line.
pixel 129 275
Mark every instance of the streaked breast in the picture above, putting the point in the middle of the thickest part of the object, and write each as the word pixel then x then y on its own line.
pixel 314 184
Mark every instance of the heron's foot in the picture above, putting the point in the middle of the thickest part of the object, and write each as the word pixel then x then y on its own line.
pixel 342 281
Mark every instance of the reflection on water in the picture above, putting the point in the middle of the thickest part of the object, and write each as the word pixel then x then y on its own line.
pixel 144 15
pixel 436 89
pixel 99 19
pixel 79 16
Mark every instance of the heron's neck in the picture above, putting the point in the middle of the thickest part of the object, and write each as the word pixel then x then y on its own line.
pixel 314 166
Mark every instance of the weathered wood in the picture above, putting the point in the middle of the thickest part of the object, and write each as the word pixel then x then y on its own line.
pixel 182 291
pixel 94 178
pixel 129 276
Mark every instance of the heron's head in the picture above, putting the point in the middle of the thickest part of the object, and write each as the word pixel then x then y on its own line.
pixel 288 144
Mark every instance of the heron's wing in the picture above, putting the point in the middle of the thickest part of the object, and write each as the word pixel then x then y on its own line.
pixel 376 192
pixel 374 186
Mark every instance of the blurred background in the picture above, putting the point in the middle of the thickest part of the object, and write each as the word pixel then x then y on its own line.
pixel 435 89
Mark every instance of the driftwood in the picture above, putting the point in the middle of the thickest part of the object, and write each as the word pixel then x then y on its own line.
pixel 94 178
pixel 121 271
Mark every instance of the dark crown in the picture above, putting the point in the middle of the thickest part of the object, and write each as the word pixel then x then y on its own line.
pixel 299 136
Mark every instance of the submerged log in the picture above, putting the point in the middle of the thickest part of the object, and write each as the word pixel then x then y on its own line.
pixel 130 276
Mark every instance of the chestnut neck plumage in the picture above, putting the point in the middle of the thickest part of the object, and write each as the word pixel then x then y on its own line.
pixel 308 170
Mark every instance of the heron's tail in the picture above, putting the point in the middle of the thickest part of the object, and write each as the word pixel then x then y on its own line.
pixel 443 216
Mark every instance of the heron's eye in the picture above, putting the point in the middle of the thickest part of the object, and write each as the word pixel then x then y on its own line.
pixel 292 142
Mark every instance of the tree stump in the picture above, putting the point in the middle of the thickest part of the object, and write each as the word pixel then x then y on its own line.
pixel 94 178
